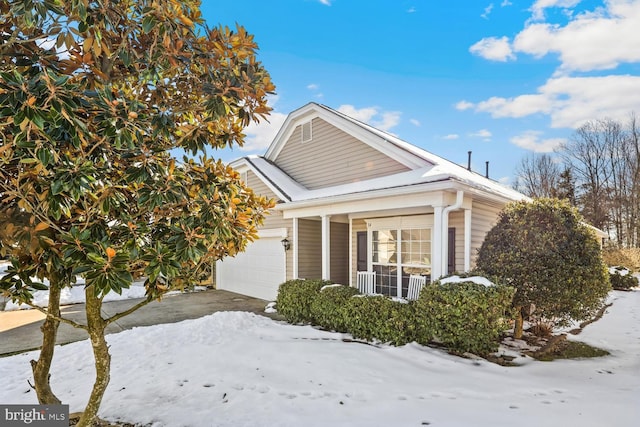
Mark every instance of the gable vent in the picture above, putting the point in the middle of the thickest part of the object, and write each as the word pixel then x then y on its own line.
pixel 306 131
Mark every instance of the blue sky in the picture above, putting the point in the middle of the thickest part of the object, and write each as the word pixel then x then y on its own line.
pixel 501 78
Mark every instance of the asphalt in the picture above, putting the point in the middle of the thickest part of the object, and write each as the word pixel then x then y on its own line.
pixel 20 330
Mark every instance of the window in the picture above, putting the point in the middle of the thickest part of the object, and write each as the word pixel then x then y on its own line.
pixel 400 247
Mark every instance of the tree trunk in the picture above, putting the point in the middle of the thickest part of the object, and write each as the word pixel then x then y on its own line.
pixel 102 359
pixel 517 328
pixel 41 367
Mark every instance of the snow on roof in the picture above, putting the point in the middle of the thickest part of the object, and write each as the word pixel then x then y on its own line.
pixel 295 192
pixel 437 169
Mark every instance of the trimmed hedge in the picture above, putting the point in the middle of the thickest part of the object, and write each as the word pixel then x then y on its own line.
pixel 376 317
pixel 295 298
pixel 465 316
pixel 327 308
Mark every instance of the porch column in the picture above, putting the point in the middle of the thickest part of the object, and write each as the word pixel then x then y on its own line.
pixel 467 240
pixel 295 248
pixel 350 251
pixel 436 244
pixel 326 247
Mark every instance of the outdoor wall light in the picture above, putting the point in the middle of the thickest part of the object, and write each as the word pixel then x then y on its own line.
pixel 286 244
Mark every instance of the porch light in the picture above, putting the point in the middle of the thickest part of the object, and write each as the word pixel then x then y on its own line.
pixel 286 244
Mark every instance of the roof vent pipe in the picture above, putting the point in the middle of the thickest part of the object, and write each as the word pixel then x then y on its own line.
pixel 486 173
pixel 469 161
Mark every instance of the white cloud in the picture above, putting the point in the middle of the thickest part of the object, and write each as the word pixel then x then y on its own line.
pixel 520 106
pixel 505 3
pixel 601 39
pixel 505 180
pixel 325 2
pixel 388 121
pixel 260 135
pixel 464 105
pixel 315 88
pixel 493 48
pixel 571 101
pixel 482 133
pixel 415 122
pixel 362 114
pixel 487 11
pixel 451 136
pixel 537 9
pixel 383 120
pixel 412 9
pixel 530 140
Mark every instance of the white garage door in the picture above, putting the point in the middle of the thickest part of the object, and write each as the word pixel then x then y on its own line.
pixel 259 270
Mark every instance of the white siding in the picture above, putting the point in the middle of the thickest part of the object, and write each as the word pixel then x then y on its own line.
pixel 332 157
pixel 483 218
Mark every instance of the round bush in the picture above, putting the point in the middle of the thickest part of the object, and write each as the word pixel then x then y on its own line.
pixel 544 249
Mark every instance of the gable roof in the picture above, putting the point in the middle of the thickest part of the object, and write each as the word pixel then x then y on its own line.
pixel 426 169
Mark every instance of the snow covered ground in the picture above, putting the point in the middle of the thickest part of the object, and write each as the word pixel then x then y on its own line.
pixel 240 369
pixel 75 294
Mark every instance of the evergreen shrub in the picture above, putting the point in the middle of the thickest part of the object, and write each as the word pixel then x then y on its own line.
pixel 621 279
pixel 544 249
pixel 379 318
pixel 464 316
pixel 295 298
pixel 327 308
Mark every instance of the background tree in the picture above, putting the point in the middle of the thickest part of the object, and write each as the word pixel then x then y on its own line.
pixel 544 250
pixel 601 176
pixel 538 175
pixel 587 151
pixel 95 95
pixel 565 188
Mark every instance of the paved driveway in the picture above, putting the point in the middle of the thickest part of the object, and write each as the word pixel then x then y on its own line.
pixel 20 330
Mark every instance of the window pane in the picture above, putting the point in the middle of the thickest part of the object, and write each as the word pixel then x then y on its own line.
pixel 416 247
pixel 384 246
pixel 386 280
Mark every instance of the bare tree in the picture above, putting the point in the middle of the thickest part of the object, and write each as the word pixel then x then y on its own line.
pixel 632 176
pixel 538 175
pixel 587 151
pixel 601 176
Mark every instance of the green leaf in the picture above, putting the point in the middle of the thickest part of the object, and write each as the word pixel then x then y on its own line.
pixel 148 23
pixel 39 286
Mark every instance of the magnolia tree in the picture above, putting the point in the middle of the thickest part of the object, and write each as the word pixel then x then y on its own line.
pixel 96 97
pixel 553 259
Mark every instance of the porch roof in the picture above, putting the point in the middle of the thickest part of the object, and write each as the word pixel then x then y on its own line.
pixel 449 174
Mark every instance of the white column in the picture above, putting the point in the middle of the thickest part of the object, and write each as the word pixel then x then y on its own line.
pixel 350 251
pixel 295 248
pixel 444 244
pixel 436 244
pixel 326 247
pixel 467 239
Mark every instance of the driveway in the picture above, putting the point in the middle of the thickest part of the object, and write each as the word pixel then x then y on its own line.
pixel 20 330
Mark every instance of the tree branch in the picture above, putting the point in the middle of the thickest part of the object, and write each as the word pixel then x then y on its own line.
pixel 120 315
pixel 58 318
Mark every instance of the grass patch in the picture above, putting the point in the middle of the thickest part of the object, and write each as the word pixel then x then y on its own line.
pixel 573 350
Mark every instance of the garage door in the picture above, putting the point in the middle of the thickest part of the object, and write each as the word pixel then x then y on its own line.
pixel 259 270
